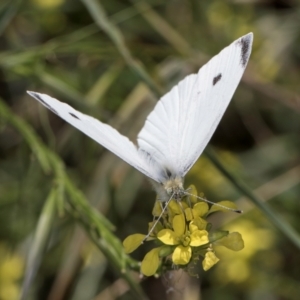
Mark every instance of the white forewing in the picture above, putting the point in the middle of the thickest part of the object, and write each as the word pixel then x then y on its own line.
pixel 181 124
pixel 102 133
pixel 183 121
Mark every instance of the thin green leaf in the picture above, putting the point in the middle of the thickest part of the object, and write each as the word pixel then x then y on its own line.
pixel 39 242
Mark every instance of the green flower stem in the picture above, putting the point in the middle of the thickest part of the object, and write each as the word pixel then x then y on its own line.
pixel 102 237
pixel 282 225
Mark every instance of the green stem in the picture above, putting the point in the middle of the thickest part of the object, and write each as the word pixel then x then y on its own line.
pixel 99 230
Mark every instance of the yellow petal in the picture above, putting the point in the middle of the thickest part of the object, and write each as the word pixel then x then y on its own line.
pixel 182 255
pixel 179 225
pixel 168 237
pixel 156 229
pixel 200 209
pixel 150 262
pixel 193 191
pixel 184 205
pixel 156 211
pixel 200 223
pixel 199 238
pixel 189 214
pixel 232 241
pixel 228 204
pixel 175 207
pixel 133 241
pixel 193 227
pixel 209 260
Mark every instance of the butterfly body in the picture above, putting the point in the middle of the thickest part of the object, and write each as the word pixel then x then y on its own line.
pixel 172 187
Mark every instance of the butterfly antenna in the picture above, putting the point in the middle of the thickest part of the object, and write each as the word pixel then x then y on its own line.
pixel 213 203
pixel 158 219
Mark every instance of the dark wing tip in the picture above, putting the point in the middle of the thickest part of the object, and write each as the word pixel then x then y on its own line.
pixel 35 95
pixel 39 97
pixel 32 94
pixel 245 43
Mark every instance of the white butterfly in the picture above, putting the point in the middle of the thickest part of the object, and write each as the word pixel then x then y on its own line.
pixel 180 126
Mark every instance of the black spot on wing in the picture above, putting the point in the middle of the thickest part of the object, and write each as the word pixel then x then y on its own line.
pixel 74 116
pixel 38 97
pixel 217 79
pixel 244 44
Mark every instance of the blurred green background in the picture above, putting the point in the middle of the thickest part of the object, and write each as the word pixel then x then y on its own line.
pixel 112 60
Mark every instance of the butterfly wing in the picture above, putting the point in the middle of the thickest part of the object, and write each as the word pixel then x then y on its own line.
pixel 102 133
pixel 183 121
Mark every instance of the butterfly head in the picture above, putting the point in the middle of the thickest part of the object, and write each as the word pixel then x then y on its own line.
pixel 174 188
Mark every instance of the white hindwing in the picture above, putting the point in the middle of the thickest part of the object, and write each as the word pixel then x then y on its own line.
pixel 183 121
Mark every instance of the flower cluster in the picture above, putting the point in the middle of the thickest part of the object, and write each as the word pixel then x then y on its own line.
pixel 182 236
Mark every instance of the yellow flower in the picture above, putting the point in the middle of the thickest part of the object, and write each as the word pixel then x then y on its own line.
pixel 181 231
pixel 184 239
pixel 196 213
